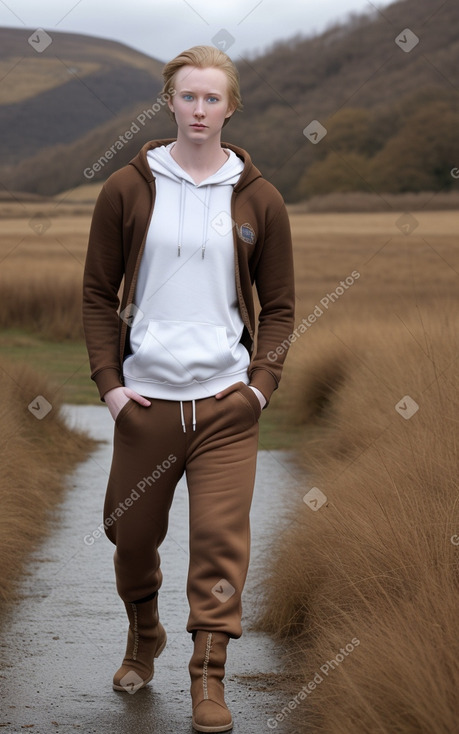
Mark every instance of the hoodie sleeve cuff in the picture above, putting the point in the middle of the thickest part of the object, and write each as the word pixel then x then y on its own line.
pixel 265 382
pixel 106 380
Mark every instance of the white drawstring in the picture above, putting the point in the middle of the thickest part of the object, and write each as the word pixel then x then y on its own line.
pixel 205 222
pixel 182 416
pixel 181 215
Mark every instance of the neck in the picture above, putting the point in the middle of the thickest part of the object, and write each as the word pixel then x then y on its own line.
pixel 191 156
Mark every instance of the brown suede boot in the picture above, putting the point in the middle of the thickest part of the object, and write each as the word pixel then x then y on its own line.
pixel 207 670
pixel 146 641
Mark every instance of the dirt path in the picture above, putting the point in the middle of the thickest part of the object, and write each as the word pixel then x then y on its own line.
pixel 66 635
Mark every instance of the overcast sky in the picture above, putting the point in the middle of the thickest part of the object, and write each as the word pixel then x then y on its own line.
pixel 164 28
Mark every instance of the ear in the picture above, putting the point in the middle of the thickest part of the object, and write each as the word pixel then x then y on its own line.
pixel 170 105
pixel 230 111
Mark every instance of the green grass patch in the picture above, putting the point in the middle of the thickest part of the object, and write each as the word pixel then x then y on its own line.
pixel 276 429
pixel 65 364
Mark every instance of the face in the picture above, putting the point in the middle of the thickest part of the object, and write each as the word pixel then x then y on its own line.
pixel 201 102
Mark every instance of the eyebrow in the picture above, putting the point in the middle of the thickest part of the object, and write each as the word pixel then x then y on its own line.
pixel 189 91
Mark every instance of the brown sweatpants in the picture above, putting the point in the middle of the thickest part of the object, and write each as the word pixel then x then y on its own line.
pixel 152 450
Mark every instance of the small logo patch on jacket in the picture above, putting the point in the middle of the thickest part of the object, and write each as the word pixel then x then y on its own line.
pixel 247 233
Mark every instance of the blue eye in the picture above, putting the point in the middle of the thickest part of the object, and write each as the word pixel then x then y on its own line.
pixel 212 99
pixel 187 96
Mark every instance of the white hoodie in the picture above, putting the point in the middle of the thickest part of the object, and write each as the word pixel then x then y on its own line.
pixel 185 338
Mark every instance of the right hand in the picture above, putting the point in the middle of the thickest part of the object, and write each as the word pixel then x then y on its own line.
pixel 117 397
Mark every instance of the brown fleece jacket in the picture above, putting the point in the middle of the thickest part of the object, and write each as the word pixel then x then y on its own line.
pixel 263 249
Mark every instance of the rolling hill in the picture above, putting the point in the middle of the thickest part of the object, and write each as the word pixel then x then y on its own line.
pixel 76 85
pixel 383 86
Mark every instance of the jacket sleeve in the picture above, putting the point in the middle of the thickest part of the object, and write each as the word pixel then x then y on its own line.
pixel 103 273
pixel 274 280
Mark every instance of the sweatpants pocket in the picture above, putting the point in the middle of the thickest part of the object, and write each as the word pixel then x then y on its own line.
pixel 124 411
pixel 241 406
pixel 249 397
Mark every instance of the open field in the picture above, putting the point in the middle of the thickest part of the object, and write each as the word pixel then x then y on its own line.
pixel 42 250
pixel 374 569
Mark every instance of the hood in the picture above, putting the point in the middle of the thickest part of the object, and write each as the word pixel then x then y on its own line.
pixel 160 161
pixel 141 163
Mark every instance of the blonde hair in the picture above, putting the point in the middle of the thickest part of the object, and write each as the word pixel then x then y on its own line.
pixel 204 57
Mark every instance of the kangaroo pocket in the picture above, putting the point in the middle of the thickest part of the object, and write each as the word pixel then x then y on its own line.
pixel 180 353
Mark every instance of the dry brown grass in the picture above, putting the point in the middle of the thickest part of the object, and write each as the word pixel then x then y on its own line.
pixel 43 247
pixel 376 562
pixel 35 456
pixel 42 251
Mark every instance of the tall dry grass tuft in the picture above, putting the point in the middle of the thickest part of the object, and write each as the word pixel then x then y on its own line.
pixel 42 251
pixel 379 561
pixel 48 306
pixel 35 456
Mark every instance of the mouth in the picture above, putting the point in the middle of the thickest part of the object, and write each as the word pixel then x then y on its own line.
pixel 199 126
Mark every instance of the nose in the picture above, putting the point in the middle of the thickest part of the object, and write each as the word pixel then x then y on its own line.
pixel 199 108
